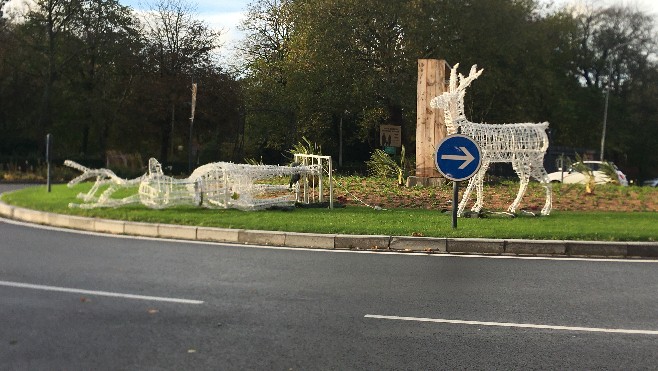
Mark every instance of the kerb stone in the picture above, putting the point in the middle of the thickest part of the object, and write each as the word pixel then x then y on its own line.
pixel 535 247
pixel 273 238
pixel 6 210
pixel 419 244
pixel 643 249
pixel 346 241
pixel 217 234
pixel 82 223
pixel 109 226
pixel 141 229
pixel 310 240
pixel 182 232
pixel 596 248
pixel 30 216
pixel 476 245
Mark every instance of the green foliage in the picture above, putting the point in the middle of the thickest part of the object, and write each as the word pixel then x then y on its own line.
pixel 99 79
pixel 39 174
pixel 609 170
pixel 92 75
pixel 253 161
pixel 327 62
pixel 305 147
pixel 581 167
pixel 382 165
pixel 590 181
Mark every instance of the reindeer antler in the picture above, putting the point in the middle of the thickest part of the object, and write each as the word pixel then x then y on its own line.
pixel 464 82
pixel 453 78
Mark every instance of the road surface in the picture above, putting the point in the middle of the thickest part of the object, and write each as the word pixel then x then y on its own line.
pixel 79 301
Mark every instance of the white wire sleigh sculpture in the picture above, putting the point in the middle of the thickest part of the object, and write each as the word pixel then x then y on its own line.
pixel 523 144
pixel 216 185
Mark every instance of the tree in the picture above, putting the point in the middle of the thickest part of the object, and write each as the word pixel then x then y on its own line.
pixel 37 59
pixel 109 82
pixel 2 13
pixel 219 121
pixel 178 46
pixel 56 17
pixel 323 63
pixel 619 35
pixel 641 127
pixel 108 42
pixel 270 112
pixel 82 64
pixel 355 62
pixel 614 58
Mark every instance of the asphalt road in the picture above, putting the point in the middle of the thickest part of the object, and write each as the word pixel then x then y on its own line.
pixel 151 304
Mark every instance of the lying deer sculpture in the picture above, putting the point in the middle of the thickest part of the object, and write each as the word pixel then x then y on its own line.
pixel 523 145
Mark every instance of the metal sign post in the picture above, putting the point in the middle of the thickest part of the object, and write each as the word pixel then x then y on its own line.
pixel 49 139
pixel 455 198
pixel 457 158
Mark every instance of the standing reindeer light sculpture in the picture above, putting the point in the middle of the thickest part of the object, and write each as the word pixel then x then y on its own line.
pixel 523 145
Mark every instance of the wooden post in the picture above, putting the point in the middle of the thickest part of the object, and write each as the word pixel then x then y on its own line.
pixel 430 125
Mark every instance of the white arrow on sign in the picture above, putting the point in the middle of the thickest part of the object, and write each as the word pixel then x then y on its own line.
pixel 467 157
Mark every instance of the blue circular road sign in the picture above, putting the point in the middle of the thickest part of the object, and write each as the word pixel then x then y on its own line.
pixel 458 157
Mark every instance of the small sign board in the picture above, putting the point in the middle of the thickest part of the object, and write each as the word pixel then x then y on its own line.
pixel 390 136
pixel 458 157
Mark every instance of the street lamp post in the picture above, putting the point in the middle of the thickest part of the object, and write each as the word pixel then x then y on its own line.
pixel 190 158
pixel 607 97
pixel 605 110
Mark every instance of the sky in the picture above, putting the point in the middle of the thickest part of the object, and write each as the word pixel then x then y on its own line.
pixel 226 15
pixel 223 15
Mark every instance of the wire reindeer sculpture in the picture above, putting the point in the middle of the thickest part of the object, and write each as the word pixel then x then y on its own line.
pixel 523 144
pixel 215 185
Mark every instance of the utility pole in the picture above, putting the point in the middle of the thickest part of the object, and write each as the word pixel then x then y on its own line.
pixel 190 152
pixel 607 97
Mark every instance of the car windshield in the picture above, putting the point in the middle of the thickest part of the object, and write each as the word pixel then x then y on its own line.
pixel 593 166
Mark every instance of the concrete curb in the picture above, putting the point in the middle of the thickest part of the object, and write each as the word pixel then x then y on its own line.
pixel 426 244
pixel 361 242
pixel 218 234
pixel 273 238
pixel 476 245
pixel 141 229
pixel 596 248
pixel 429 245
pixel 178 232
pixel 310 240
pixel 535 247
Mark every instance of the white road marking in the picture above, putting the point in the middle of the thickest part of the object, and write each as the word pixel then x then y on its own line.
pixel 520 325
pixel 97 293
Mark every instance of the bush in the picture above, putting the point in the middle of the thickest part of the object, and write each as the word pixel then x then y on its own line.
pixel 382 165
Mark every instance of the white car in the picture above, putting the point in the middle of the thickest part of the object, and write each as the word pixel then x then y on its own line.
pixel 651 182
pixel 571 176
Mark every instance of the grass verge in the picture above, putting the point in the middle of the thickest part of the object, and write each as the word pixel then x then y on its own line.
pixel 597 226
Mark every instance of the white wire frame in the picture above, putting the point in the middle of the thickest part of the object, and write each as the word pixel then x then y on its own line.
pixel 306 187
pixel 214 185
pixel 523 145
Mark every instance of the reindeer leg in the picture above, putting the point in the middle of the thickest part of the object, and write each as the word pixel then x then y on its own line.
pixel 522 188
pixel 548 205
pixel 479 187
pixel 524 177
pixel 541 175
pixel 465 196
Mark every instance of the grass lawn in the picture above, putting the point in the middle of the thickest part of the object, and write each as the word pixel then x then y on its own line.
pixel 571 225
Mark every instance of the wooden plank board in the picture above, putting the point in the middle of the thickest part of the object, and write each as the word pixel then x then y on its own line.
pixel 430 126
